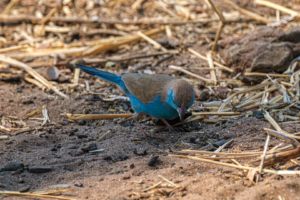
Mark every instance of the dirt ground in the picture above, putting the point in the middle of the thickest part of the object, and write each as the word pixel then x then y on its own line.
pixel 117 171
pixel 103 178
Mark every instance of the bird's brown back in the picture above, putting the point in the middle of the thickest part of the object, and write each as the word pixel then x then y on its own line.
pixel 144 86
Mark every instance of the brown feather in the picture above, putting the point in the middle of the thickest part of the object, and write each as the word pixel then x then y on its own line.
pixel 144 86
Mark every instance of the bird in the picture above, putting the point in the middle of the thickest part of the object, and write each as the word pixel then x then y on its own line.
pixel 161 96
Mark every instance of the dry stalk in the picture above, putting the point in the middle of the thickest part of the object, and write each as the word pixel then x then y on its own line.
pixel 211 66
pixel 263 158
pixel 154 43
pixel 205 58
pixel 216 113
pixel 249 13
pixel 3 137
pixel 280 172
pixel 223 23
pixel 32 194
pixel 97 116
pixel 277 7
pixel 33 73
pixel 152 187
pixel 43 21
pixel 190 73
pixel 9 6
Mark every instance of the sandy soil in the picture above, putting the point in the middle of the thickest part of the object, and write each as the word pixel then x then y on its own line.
pixel 118 171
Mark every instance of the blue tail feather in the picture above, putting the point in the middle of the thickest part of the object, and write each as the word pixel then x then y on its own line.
pixel 103 75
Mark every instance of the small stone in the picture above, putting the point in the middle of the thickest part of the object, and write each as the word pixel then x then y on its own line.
pixel 118 170
pixel 152 160
pixel 2 186
pixel 52 73
pixel 27 101
pixel 54 149
pixel 81 122
pixel 21 180
pixel 126 177
pixel 82 136
pixel 121 158
pixel 140 151
pixel 219 143
pixel 72 131
pixel 258 114
pixel 131 166
pixel 78 184
pixel 109 65
pixel 39 169
pixel 19 89
pixel 91 147
pixel 108 158
pixel 125 106
pixel 25 189
pixel 13 167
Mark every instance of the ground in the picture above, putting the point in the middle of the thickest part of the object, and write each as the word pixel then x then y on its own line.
pixel 104 179
pixel 118 172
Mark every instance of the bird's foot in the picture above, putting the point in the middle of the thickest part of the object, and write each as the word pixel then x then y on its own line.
pixel 170 127
pixel 140 126
pixel 135 118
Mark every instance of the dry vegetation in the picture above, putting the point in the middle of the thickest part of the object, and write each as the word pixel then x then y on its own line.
pixel 41 40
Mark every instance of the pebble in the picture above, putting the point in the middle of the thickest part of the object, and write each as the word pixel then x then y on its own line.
pixel 81 122
pixel 121 158
pixel 2 186
pixel 13 167
pixel 131 166
pixel 72 131
pixel 21 180
pixel 152 160
pixel 39 169
pixel 118 170
pixel 219 143
pixel 27 101
pixel 19 89
pixel 140 151
pixel 25 189
pixel 258 114
pixel 78 184
pixel 126 177
pixel 91 147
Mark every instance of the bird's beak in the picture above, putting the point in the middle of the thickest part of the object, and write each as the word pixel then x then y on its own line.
pixel 181 111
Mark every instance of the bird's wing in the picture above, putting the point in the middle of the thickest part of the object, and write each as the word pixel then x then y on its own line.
pixel 144 86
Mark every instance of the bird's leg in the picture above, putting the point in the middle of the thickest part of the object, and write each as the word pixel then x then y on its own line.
pixel 135 117
pixel 169 126
pixel 140 126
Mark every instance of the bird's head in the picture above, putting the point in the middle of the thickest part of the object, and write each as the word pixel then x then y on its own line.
pixel 180 95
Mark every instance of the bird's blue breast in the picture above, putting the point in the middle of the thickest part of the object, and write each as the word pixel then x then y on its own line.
pixel 156 108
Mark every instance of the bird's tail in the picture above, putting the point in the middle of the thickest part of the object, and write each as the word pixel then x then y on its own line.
pixel 102 74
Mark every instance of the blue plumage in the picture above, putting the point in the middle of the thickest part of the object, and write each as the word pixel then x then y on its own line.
pixel 160 96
